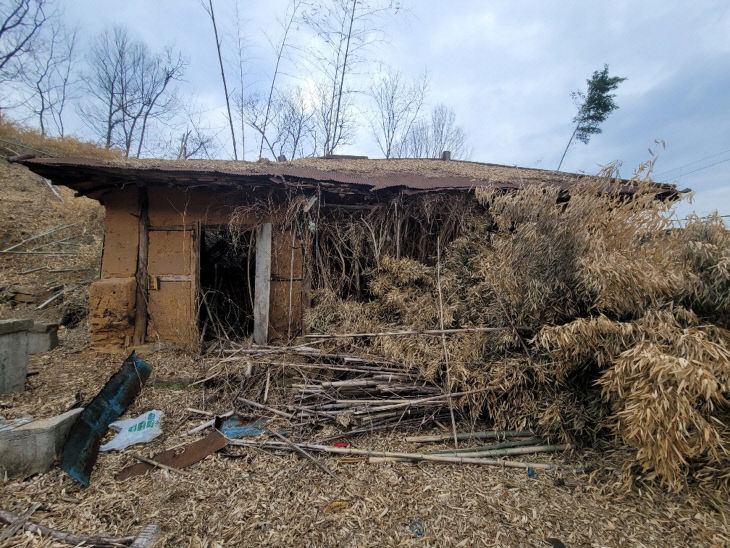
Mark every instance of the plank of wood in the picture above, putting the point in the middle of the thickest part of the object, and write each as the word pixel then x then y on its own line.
pixel 262 284
pixel 140 318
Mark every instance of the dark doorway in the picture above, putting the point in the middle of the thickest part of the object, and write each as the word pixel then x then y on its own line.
pixel 227 273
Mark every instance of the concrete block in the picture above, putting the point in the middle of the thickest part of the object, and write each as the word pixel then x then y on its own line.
pixel 32 448
pixel 13 354
pixel 42 337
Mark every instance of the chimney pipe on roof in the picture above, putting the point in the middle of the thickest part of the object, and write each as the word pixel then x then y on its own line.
pixel 281 158
pixel 446 155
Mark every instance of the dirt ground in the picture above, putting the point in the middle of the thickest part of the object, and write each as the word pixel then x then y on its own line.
pixel 251 497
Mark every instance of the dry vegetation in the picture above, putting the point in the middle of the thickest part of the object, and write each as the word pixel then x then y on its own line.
pixel 617 341
pixel 618 325
pixel 28 207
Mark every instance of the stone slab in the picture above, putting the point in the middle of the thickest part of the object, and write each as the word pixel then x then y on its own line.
pixel 13 361
pixel 42 337
pixel 32 448
pixel 13 326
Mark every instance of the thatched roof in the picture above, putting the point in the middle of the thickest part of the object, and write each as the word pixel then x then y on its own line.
pixel 349 174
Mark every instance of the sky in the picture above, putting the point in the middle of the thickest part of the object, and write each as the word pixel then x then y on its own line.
pixel 507 69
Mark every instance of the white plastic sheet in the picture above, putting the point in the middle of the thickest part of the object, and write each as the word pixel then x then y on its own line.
pixel 142 429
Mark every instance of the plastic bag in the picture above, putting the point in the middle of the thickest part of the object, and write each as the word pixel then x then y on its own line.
pixel 144 428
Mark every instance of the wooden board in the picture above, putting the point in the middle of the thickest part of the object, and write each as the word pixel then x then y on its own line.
pixel 172 308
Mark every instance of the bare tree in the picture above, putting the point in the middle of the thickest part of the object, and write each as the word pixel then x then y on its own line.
pixel 445 134
pixel 240 92
pixel 345 28
pixel 47 74
pixel 397 106
pixel 281 48
pixel 20 25
pixel 428 139
pixel 209 10
pixel 130 87
pixel 291 127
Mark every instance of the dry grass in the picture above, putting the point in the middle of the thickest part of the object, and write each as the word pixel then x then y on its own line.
pixel 17 139
pixel 617 324
pixel 267 499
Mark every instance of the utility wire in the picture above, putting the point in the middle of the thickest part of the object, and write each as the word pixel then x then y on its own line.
pixel 663 173
pixel 705 167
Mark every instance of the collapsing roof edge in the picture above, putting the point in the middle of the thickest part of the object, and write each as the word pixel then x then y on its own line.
pixel 364 176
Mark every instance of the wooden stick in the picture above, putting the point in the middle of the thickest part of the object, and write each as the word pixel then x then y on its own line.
pixel 51 299
pixel 443 340
pixel 157 464
pixel 427 400
pixel 412 456
pixel 511 451
pixel 481 435
pixel 68 538
pixel 265 407
pixel 207 424
pixel 492 447
pixel 18 523
pixel 303 453
pixel 435 332
pixel 46 233
pixel 55 192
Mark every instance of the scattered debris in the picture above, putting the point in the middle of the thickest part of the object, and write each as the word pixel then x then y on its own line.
pixel 234 427
pixel 391 456
pixel 18 523
pixel 177 458
pixel 68 538
pixel 82 446
pixel 417 528
pixel 142 429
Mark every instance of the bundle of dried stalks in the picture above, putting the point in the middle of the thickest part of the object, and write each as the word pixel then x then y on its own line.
pixel 617 322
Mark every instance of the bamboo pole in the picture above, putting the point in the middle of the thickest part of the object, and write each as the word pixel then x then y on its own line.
pixel 511 451
pixel 265 407
pixel 480 435
pixel 500 445
pixel 407 456
pixel 443 340
pixel 46 233
pixel 434 332
pixel 152 462
pixel 302 452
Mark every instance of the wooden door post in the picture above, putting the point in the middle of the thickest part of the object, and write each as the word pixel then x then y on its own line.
pixel 262 284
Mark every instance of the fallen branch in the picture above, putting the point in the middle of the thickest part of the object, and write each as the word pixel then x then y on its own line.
pixel 157 464
pixel 409 456
pixel 46 233
pixel 18 523
pixel 488 434
pixel 51 299
pixel 302 452
pixel 265 407
pixel 68 538
pixel 434 332
pixel 206 424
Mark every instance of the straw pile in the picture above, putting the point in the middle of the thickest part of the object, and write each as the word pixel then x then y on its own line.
pixel 617 324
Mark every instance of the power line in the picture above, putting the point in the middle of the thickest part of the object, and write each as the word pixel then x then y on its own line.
pixel 663 173
pixel 705 167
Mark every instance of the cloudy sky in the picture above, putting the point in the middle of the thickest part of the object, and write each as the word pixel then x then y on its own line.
pixel 507 68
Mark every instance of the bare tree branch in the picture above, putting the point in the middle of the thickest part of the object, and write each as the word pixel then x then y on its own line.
pixel 397 107
pixel 209 10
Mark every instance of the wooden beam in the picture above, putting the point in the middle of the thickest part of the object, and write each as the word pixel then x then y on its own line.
pixel 140 319
pixel 262 284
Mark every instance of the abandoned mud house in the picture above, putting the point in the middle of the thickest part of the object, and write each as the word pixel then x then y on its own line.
pixel 197 249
